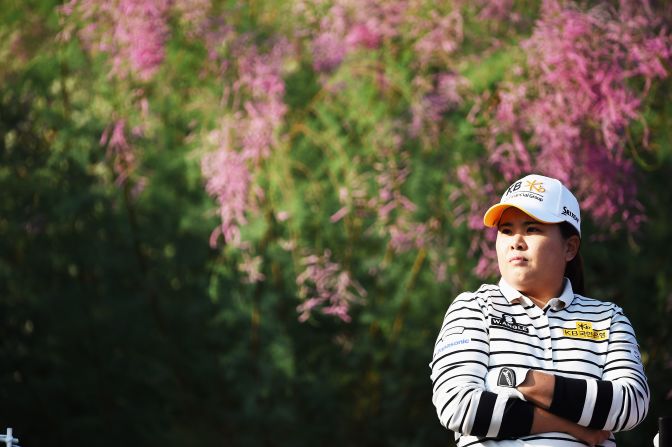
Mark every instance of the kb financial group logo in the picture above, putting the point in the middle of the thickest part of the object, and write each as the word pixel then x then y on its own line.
pixel 532 189
pixel 531 186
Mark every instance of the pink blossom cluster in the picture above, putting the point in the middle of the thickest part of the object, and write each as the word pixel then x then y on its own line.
pixel 254 94
pixel 395 211
pixel 196 16
pixel 407 235
pixel 246 137
pixel 438 94
pixel 568 116
pixel 140 33
pixel 132 32
pixel 472 196
pixel 434 32
pixel 437 88
pixel 326 287
pixel 437 37
pixel 389 177
pixel 502 10
pixel 348 25
pixel 576 103
pixel 201 25
pixel 228 180
pixel 261 87
pixel 251 268
pixel 391 209
pixel 122 154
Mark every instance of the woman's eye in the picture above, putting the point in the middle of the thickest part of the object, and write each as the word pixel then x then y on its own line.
pixel 533 229
pixel 506 231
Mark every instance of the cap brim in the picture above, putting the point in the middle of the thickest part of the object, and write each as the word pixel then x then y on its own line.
pixel 494 214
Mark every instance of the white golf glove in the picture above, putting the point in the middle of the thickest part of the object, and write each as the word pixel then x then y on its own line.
pixel 505 379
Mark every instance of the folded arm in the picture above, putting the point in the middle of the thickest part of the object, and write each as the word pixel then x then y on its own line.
pixel 544 422
pixel 459 367
pixel 618 402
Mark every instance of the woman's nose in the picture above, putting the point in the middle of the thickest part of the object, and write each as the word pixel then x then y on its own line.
pixel 518 242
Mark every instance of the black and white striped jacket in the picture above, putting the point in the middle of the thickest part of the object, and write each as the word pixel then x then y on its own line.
pixel 496 331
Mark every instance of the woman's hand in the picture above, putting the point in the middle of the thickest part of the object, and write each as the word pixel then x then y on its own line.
pixel 545 422
pixel 538 388
pixel 590 436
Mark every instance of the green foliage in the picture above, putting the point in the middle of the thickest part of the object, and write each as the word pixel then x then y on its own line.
pixel 120 322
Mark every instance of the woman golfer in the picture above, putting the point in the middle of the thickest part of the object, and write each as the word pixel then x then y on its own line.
pixel 530 361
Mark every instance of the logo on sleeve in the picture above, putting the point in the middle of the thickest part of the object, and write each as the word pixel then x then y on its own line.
pixel 507 378
pixel 509 323
pixel 456 344
pixel 584 330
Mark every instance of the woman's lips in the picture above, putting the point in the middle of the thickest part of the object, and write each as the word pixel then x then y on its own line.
pixel 517 260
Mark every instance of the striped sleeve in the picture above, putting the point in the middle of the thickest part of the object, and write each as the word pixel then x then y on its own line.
pixel 620 400
pixel 458 370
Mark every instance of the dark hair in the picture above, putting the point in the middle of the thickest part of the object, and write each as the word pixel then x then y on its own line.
pixel 573 268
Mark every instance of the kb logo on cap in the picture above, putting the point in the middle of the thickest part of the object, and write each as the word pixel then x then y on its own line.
pixel 536 186
pixel 532 185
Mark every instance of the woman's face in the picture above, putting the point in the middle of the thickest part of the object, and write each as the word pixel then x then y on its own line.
pixel 531 255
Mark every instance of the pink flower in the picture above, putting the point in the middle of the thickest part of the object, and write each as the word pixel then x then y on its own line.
pixel 132 32
pixel 438 37
pixel 498 10
pixel 251 267
pixel 326 287
pixel 247 137
pixel 577 102
pixel 566 118
pixel 437 98
pixel 405 236
pixel 363 35
pixel 194 13
pixel 328 52
pixel 120 151
pixel 478 191
pixel 338 215
pixel 348 26
pixel 228 180
pixel 282 216
pixel 141 31
pixel 260 79
pixel 440 270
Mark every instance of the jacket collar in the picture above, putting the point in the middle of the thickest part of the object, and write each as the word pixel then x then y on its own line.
pixel 514 296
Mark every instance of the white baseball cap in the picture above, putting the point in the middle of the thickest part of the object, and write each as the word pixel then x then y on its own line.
pixel 543 198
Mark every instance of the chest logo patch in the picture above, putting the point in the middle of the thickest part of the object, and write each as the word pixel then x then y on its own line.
pixel 508 322
pixel 584 330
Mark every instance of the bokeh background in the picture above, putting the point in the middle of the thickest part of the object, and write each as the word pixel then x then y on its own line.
pixel 239 223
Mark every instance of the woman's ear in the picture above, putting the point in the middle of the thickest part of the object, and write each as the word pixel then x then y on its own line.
pixel 572 247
